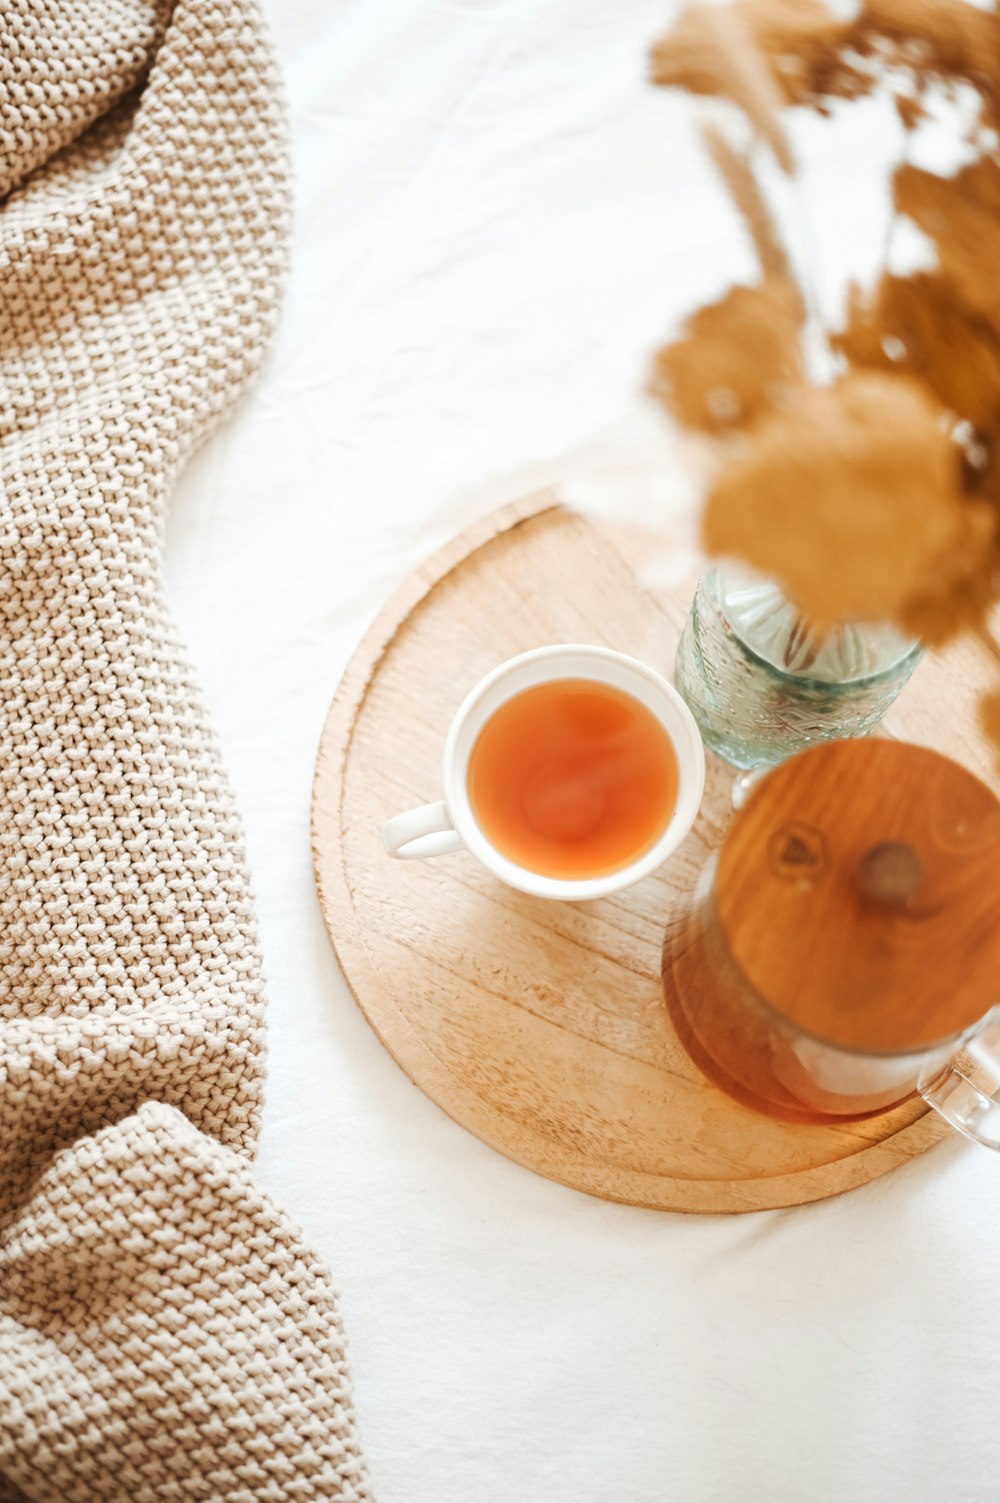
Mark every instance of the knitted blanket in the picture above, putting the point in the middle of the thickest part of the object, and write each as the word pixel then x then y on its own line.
pixel 164 1333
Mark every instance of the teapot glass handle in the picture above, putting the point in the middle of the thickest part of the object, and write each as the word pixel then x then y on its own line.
pixel 966 1092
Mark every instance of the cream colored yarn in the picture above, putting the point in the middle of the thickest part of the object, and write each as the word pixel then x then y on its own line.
pixel 164 1335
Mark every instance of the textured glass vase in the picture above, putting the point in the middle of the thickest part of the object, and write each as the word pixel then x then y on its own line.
pixel 762 686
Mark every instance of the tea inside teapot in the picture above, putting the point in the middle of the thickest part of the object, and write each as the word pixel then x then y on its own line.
pixel 846 938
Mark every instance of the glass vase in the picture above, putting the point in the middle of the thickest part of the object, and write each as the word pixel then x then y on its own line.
pixel 763 686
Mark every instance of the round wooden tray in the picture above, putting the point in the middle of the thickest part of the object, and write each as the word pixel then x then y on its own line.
pixel 540 1026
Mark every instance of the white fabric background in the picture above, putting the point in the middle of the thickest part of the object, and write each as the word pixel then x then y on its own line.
pixel 496 220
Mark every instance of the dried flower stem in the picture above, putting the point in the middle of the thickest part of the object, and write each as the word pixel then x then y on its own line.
pixel 745 193
pixel 749 79
pixel 802 647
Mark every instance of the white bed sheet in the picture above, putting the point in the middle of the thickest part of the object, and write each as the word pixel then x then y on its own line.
pixel 496 220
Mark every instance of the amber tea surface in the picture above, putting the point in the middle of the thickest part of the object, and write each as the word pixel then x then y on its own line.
pixel 573 779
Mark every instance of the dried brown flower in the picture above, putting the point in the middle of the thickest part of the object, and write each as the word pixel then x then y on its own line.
pixel 910 111
pixel 797 40
pixel 947 39
pixel 850 495
pixel 736 358
pixel 813 57
pixel 958 595
pixel 961 214
pixel 916 324
pixel 878 496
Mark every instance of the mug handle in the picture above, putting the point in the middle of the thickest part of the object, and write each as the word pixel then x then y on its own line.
pixel 427 831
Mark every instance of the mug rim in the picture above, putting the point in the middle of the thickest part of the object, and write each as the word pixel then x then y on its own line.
pixel 684 736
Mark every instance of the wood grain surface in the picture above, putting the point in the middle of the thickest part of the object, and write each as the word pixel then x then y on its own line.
pixel 540 1026
pixel 858 894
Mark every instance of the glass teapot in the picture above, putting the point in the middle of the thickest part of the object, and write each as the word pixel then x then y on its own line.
pixel 842 949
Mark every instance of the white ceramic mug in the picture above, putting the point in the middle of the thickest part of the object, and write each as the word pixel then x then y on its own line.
pixel 451 825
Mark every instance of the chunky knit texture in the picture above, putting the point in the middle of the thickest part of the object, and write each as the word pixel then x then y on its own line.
pixel 163 1333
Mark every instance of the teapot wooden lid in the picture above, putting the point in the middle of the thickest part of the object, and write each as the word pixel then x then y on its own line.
pixel 859 893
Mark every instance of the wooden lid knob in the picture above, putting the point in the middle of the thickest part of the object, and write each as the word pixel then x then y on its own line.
pixel 859 892
pixel 890 873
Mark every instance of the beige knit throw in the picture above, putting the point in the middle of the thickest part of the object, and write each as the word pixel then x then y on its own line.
pixel 164 1333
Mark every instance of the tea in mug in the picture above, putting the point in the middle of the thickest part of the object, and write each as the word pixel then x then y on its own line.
pixel 573 779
